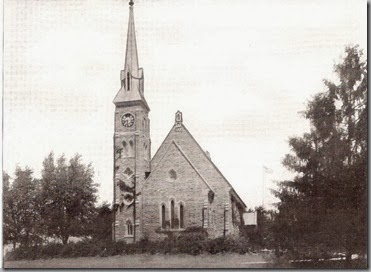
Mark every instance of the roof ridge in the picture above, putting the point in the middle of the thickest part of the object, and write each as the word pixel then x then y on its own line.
pixel 212 163
pixel 187 159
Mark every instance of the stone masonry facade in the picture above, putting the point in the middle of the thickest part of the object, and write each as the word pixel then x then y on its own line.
pixel 180 187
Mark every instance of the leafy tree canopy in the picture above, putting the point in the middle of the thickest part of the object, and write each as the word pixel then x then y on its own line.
pixel 20 208
pixel 326 203
pixel 69 195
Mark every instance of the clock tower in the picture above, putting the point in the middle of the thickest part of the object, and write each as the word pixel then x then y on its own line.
pixel 132 144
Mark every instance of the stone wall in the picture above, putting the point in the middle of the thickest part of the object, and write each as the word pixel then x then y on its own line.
pixel 196 177
pixel 131 161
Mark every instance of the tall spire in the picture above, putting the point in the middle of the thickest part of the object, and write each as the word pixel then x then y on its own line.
pixel 131 58
pixel 132 77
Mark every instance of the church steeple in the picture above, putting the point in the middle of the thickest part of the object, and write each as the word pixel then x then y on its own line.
pixel 131 144
pixel 132 77
pixel 131 58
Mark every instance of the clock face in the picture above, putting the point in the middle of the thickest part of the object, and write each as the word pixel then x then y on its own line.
pixel 127 120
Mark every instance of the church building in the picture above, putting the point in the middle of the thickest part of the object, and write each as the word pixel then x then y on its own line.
pixel 179 187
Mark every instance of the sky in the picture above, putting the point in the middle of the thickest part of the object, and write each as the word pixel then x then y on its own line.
pixel 241 72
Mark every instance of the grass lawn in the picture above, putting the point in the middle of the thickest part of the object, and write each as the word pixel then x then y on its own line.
pixel 149 261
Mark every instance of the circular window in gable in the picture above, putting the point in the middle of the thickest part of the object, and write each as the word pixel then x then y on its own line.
pixel 172 175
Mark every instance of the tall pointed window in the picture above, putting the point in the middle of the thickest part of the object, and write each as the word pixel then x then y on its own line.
pixel 131 150
pixel 172 214
pixel 129 228
pixel 181 216
pixel 126 149
pixel 205 218
pixel 163 216
pixel 128 81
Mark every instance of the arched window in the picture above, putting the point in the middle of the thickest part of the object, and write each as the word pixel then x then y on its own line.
pixel 126 148
pixel 181 216
pixel 205 219
pixel 163 216
pixel 129 228
pixel 128 80
pixel 131 150
pixel 172 214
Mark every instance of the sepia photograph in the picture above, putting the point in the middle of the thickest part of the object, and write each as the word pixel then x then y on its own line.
pixel 185 134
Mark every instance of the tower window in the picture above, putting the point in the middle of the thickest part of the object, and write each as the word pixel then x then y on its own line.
pixel 163 216
pixel 181 216
pixel 131 143
pixel 128 81
pixel 129 228
pixel 126 149
pixel 144 123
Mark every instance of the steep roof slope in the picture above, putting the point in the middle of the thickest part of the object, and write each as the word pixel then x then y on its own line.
pixel 183 139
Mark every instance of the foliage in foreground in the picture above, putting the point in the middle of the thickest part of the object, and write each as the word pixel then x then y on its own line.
pixel 189 243
pixel 68 195
pixel 21 224
pixel 60 205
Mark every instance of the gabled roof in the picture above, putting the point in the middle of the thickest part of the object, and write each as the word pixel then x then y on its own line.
pixel 186 158
pixel 158 157
pixel 217 169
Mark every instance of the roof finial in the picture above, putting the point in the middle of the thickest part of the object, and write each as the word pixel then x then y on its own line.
pixel 131 3
pixel 178 120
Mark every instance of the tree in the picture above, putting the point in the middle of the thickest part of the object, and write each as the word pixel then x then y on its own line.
pixel 325 205
pixel 260 234
pixel 101 228
pixel 20 208
pixel 9 230
pixel 68 194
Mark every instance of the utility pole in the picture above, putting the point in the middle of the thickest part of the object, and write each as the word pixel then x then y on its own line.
pixel 266 171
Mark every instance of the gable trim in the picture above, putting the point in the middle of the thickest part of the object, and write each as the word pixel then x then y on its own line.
pixel 163 142
pixel 200 148
pixel 187 159
pixel 237 198
pixel 215 167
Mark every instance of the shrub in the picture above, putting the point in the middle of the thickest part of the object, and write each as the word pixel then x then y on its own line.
pixel 190 247
pixel 50 250
pixel 115 248
pixel 227 244
pixel 167 246
pixel 23 253
pixel 68 250
pixel 215 246
pixel 192 241
pixel 242 245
